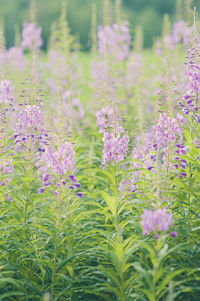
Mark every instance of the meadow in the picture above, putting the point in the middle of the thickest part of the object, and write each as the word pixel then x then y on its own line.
pixel 99 165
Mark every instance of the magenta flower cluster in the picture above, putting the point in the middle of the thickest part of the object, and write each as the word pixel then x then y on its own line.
pixel 115 146
pixel 169 138
pixel 166 137
pixel 31 35
pixel 156 221
pixel 58 161
pixel 30 127
pixel 58 164
pixel 169 130
pixel 115 138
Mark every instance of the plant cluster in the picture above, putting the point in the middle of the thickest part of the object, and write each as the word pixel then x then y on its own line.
pixel 100 166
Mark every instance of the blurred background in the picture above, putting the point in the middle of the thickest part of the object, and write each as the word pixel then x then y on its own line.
pixel 146 13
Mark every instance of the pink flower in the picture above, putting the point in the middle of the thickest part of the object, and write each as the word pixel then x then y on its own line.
pixel 16 57
pixel 169 130
pixel 31 35
pixel 114 40
pixel 30 125
pixel 106 118
pixel 158 220
pixel 115 146
pixel 58 161
pixel 6 92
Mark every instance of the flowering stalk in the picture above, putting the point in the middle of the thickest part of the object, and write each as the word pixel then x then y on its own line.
pixel 57 169
pixel 116 243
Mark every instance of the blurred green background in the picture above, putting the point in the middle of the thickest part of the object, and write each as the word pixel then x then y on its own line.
pixel 147 13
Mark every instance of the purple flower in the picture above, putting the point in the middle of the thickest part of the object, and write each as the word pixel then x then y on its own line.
pixel 181 32
pixel 6 92
pixel 156 220
pixel 168 130
pixel 41 190
pixel 6 169
pixel 41 149
pixel 8 197
pixel 173 234
pixel 16 57
pixel 60 160
pixel 107 118
pixel 134 71
pixel 79 194
pixel 115 146
pixel 46 177
pixel 31 34
pixel 72 178
pixel 183 174
pixel 30 126
pixel 114 40
pixel 101 74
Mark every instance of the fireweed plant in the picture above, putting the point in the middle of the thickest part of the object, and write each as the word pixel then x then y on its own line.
pixel 99 164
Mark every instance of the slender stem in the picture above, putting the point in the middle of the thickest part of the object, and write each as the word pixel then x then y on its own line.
pixel 25 211
pixel 59 209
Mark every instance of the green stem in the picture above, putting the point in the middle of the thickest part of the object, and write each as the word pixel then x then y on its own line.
pixel 25 211
pixel 155 269
pixel 59 209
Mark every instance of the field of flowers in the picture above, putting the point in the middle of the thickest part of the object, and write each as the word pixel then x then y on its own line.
pixel 99 165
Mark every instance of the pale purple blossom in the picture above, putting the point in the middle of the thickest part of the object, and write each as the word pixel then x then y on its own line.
pixel 72 106
pixel 133 74
pixel 64 73
pixel 193 76
pixel 57 64
pixel 169 130
pixel 143 157
pixel 191 97
pixel 156 220
pixel 168 42
pixel 181 32
pixel 30 127
pixel 107 118
pixel 58 161
pixel 16 57
pixel 114 40
pixel 115 146
pixel 58 166
pixel 104 82
pixel 169 139
pixel 31 35
pixel 6 92
pixel 6 169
